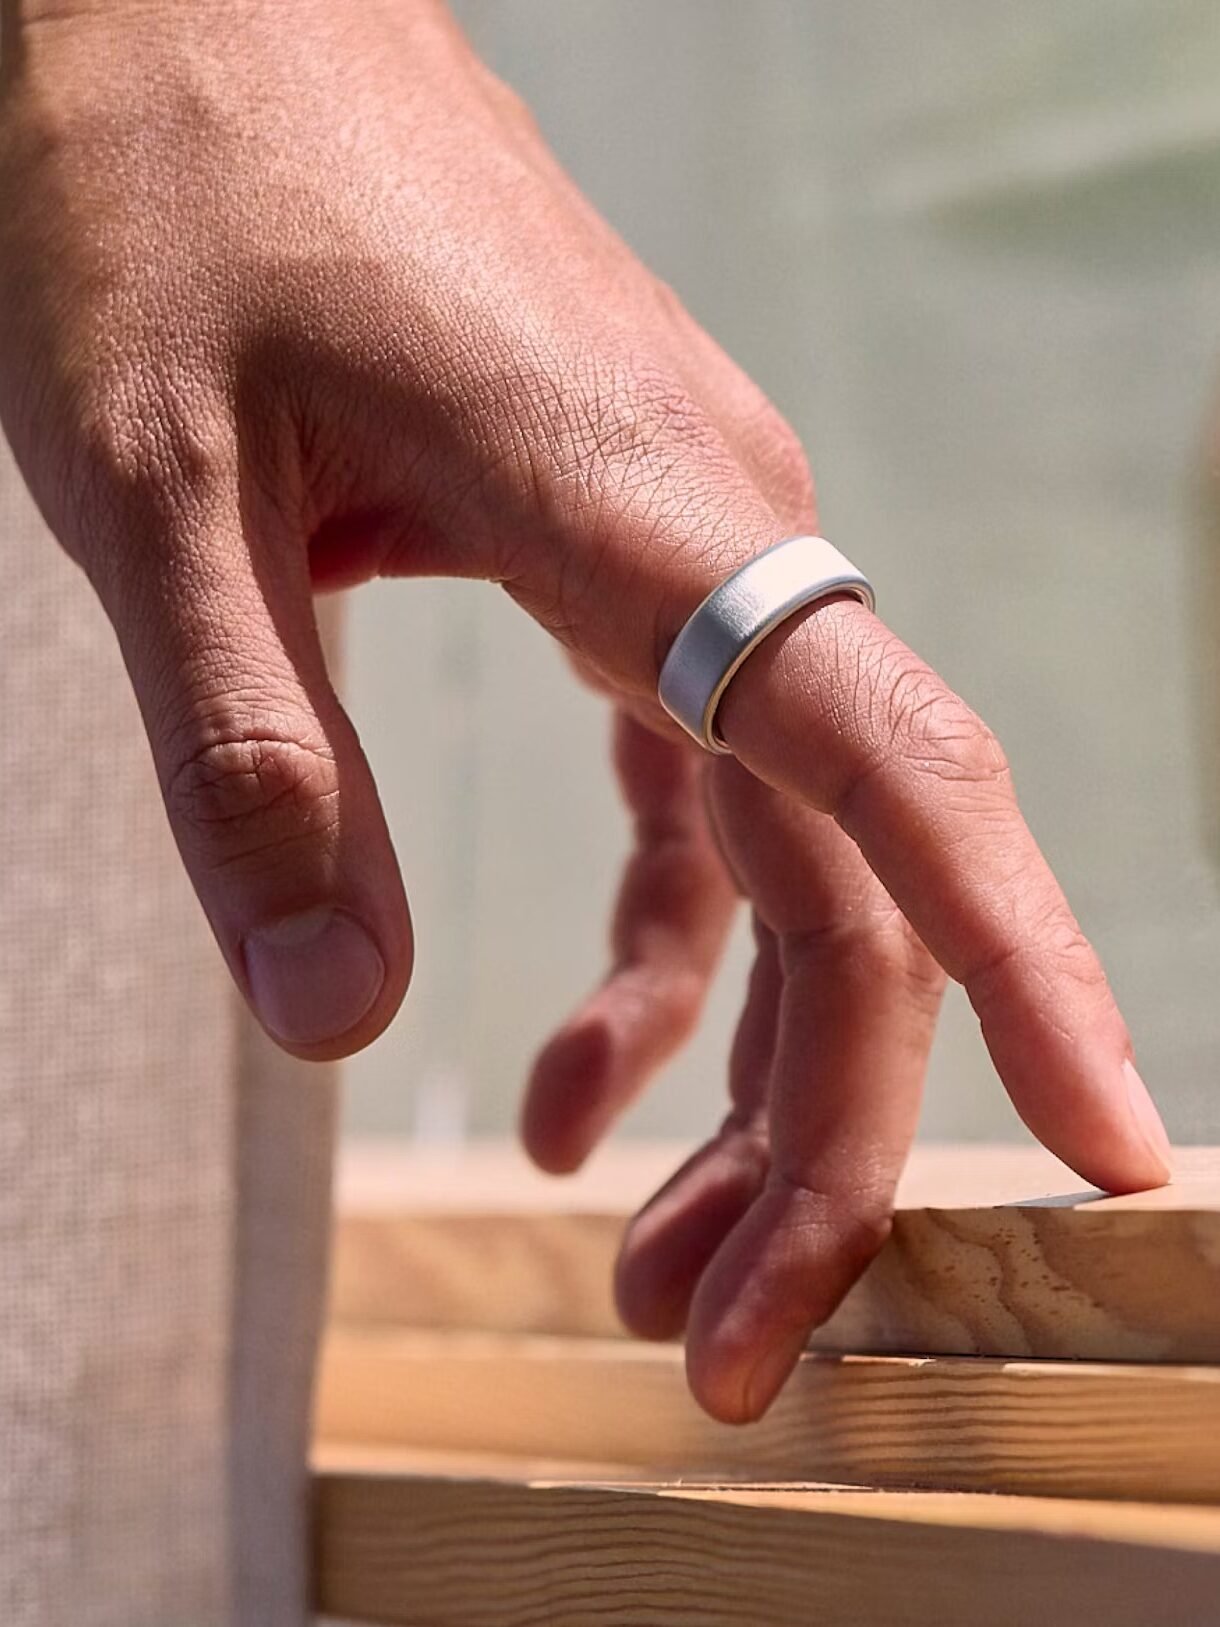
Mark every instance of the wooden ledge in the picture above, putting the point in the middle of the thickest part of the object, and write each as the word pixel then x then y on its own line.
pixel 963 1424
pixel 995 1251
pixel 395 1546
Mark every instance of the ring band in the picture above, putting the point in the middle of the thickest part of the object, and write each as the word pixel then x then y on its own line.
pixel 738 615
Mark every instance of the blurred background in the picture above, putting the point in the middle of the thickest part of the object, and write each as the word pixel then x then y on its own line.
pixel 973 253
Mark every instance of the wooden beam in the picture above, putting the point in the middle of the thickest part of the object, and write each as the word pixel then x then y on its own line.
pixel 402 1549
pixel 508 1273
pixel 964 1424
pixel 995 1251
pixel 330 1455
pixel 1165 1523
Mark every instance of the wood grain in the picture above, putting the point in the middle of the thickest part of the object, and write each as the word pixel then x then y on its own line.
pixel 995 1251
pixel 404 1549
pixel 1161 1524
pixel 965 1424
pixel 510 1273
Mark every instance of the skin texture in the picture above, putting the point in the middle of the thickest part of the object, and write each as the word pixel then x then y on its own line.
pixel 293 296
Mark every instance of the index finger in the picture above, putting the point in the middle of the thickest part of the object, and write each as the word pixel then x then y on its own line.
pixel 834 709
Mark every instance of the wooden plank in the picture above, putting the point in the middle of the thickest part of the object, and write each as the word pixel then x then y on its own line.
pixel 367 1457
pixel 964 1424
pixel 995 1251
pixel 1161 1524
pixel 404 1549
pixel 510 1273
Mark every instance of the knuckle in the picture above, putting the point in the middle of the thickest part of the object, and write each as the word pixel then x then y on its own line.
pixel 784 469
pixel 663 999
pixel 749 1128
pixel 588 437
pixel 926 723
pixel 863 1225
pixel 620 460
pixel 1054 947
pixel 771 447
pixel 679 998
pixel 923 977
pixel 896 955
pixel 864 1222
pixel 147 452
pixel 676 872
pixel 882 950
pixel 1070 952
pixel 508 103
pixel 915 978
pixel 623 432
pixel 251 803
pixel 859 1216
pixel 150 438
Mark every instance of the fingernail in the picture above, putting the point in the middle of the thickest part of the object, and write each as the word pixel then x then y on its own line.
pixel 313 976
pixel 1147 1117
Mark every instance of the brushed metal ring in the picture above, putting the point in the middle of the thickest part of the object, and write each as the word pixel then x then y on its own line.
pixel 736 617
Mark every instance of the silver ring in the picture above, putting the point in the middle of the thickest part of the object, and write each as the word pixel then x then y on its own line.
pixel 736 617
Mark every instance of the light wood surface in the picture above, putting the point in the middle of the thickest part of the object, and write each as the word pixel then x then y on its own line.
pixel 506 1460
pixel 402 1548
pixel 327 1455
pixel 1158 1524
pixel 1046 1428
pixel 381 1174
pixel 995 1251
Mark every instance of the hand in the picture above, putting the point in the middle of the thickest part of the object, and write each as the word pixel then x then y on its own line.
pixel 293 297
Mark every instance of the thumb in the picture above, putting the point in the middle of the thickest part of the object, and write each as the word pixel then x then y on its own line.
pixel 268 792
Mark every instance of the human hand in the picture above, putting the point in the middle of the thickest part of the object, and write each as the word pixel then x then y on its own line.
pixel 294 297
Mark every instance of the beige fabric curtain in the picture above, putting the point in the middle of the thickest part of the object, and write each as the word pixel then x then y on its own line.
pixel 163 1175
